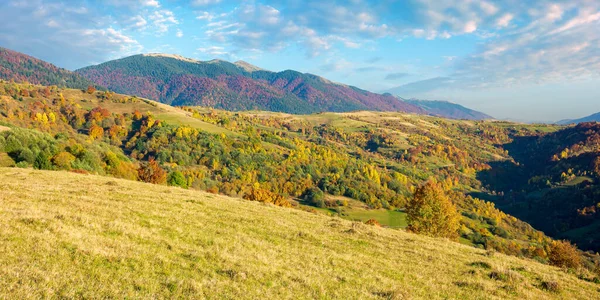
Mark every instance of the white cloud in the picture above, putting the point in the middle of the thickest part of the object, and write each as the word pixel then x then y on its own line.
pixel 470 27
pixel 213 50
pixel 205 2
pixel 504 21
pixel 152 3
pixel 179 33
pixel 162 20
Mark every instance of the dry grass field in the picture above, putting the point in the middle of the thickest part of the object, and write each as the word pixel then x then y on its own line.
pixel 82 236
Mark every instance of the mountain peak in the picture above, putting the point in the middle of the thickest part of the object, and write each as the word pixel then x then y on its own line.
pixel 174 56
pixel 247 66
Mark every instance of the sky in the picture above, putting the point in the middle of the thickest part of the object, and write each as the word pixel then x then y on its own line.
pixel 513 59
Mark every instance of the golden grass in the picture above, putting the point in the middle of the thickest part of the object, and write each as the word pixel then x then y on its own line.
pixel 4 128
pixel 84 236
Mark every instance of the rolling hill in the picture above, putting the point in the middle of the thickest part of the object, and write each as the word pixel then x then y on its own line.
pixel 447 109
pixel 67 235
pixel 23 68
pixel 176 80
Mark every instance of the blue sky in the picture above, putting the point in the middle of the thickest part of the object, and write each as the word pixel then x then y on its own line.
pixel 524 60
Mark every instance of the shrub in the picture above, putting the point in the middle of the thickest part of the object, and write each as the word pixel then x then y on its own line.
pixel 373 222
pixel 176 178
pixel 42 162
pixel 315 196
pixel 564 254
pixel 266 196
pixel 430 212
pixel 551 286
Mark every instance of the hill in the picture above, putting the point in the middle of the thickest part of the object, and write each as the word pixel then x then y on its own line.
pixel 552 183
pixel 176 80
pixel 591 118
pixel 23 68
pixel 72 235
pixel 448 110
pixel 366 163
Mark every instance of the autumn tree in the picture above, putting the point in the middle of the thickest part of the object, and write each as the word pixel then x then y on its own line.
pixel 90 89
pixel 430 212
pixel 152 172
pixel 63 160
pixel 266 196
pixel 96 132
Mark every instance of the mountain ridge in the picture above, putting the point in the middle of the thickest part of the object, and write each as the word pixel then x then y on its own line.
pixel 179 81
pixel 21 67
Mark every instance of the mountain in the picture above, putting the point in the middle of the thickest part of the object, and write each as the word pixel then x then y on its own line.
pixel 175 80
pixel 21 67
pixel 591 118
pixel 448 110
pixel 75 236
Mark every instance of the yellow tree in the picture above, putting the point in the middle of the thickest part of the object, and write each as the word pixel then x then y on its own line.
pixel 430 212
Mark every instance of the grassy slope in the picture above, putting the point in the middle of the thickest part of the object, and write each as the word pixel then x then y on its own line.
pixel 73 235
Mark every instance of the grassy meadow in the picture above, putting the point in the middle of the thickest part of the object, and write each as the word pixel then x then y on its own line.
pixel 84 236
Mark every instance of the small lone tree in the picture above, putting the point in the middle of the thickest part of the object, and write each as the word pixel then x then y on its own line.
pixel 430 212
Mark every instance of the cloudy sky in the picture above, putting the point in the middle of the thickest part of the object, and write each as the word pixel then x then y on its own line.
pixel 527 60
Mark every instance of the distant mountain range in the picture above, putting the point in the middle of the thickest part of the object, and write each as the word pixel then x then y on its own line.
pixel 591 118
pixel 449 110
pixel 21 67
pixel 177 80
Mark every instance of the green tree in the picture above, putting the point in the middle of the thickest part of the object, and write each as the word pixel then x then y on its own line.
pixel 430 212
pixel 176 178
pixel 315 196
pixel 42 162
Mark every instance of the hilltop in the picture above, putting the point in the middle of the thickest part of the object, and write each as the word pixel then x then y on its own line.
pixel 73 235
pixel 177 80
pixel 24 68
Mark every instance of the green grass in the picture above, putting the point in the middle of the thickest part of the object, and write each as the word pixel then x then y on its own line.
pixel 388 218
pixel 66 235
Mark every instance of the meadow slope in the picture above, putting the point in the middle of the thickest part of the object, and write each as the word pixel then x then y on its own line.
pixel 85 236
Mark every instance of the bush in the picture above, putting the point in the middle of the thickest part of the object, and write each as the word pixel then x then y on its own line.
pixel 42 162
pixel 563 254
pixel 266 196
pixel 315 196
pixel 176 178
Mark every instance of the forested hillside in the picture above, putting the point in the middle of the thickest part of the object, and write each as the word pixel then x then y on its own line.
pixel 359 166
pixel 552 182
pixel 23 68
pixel 180 81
